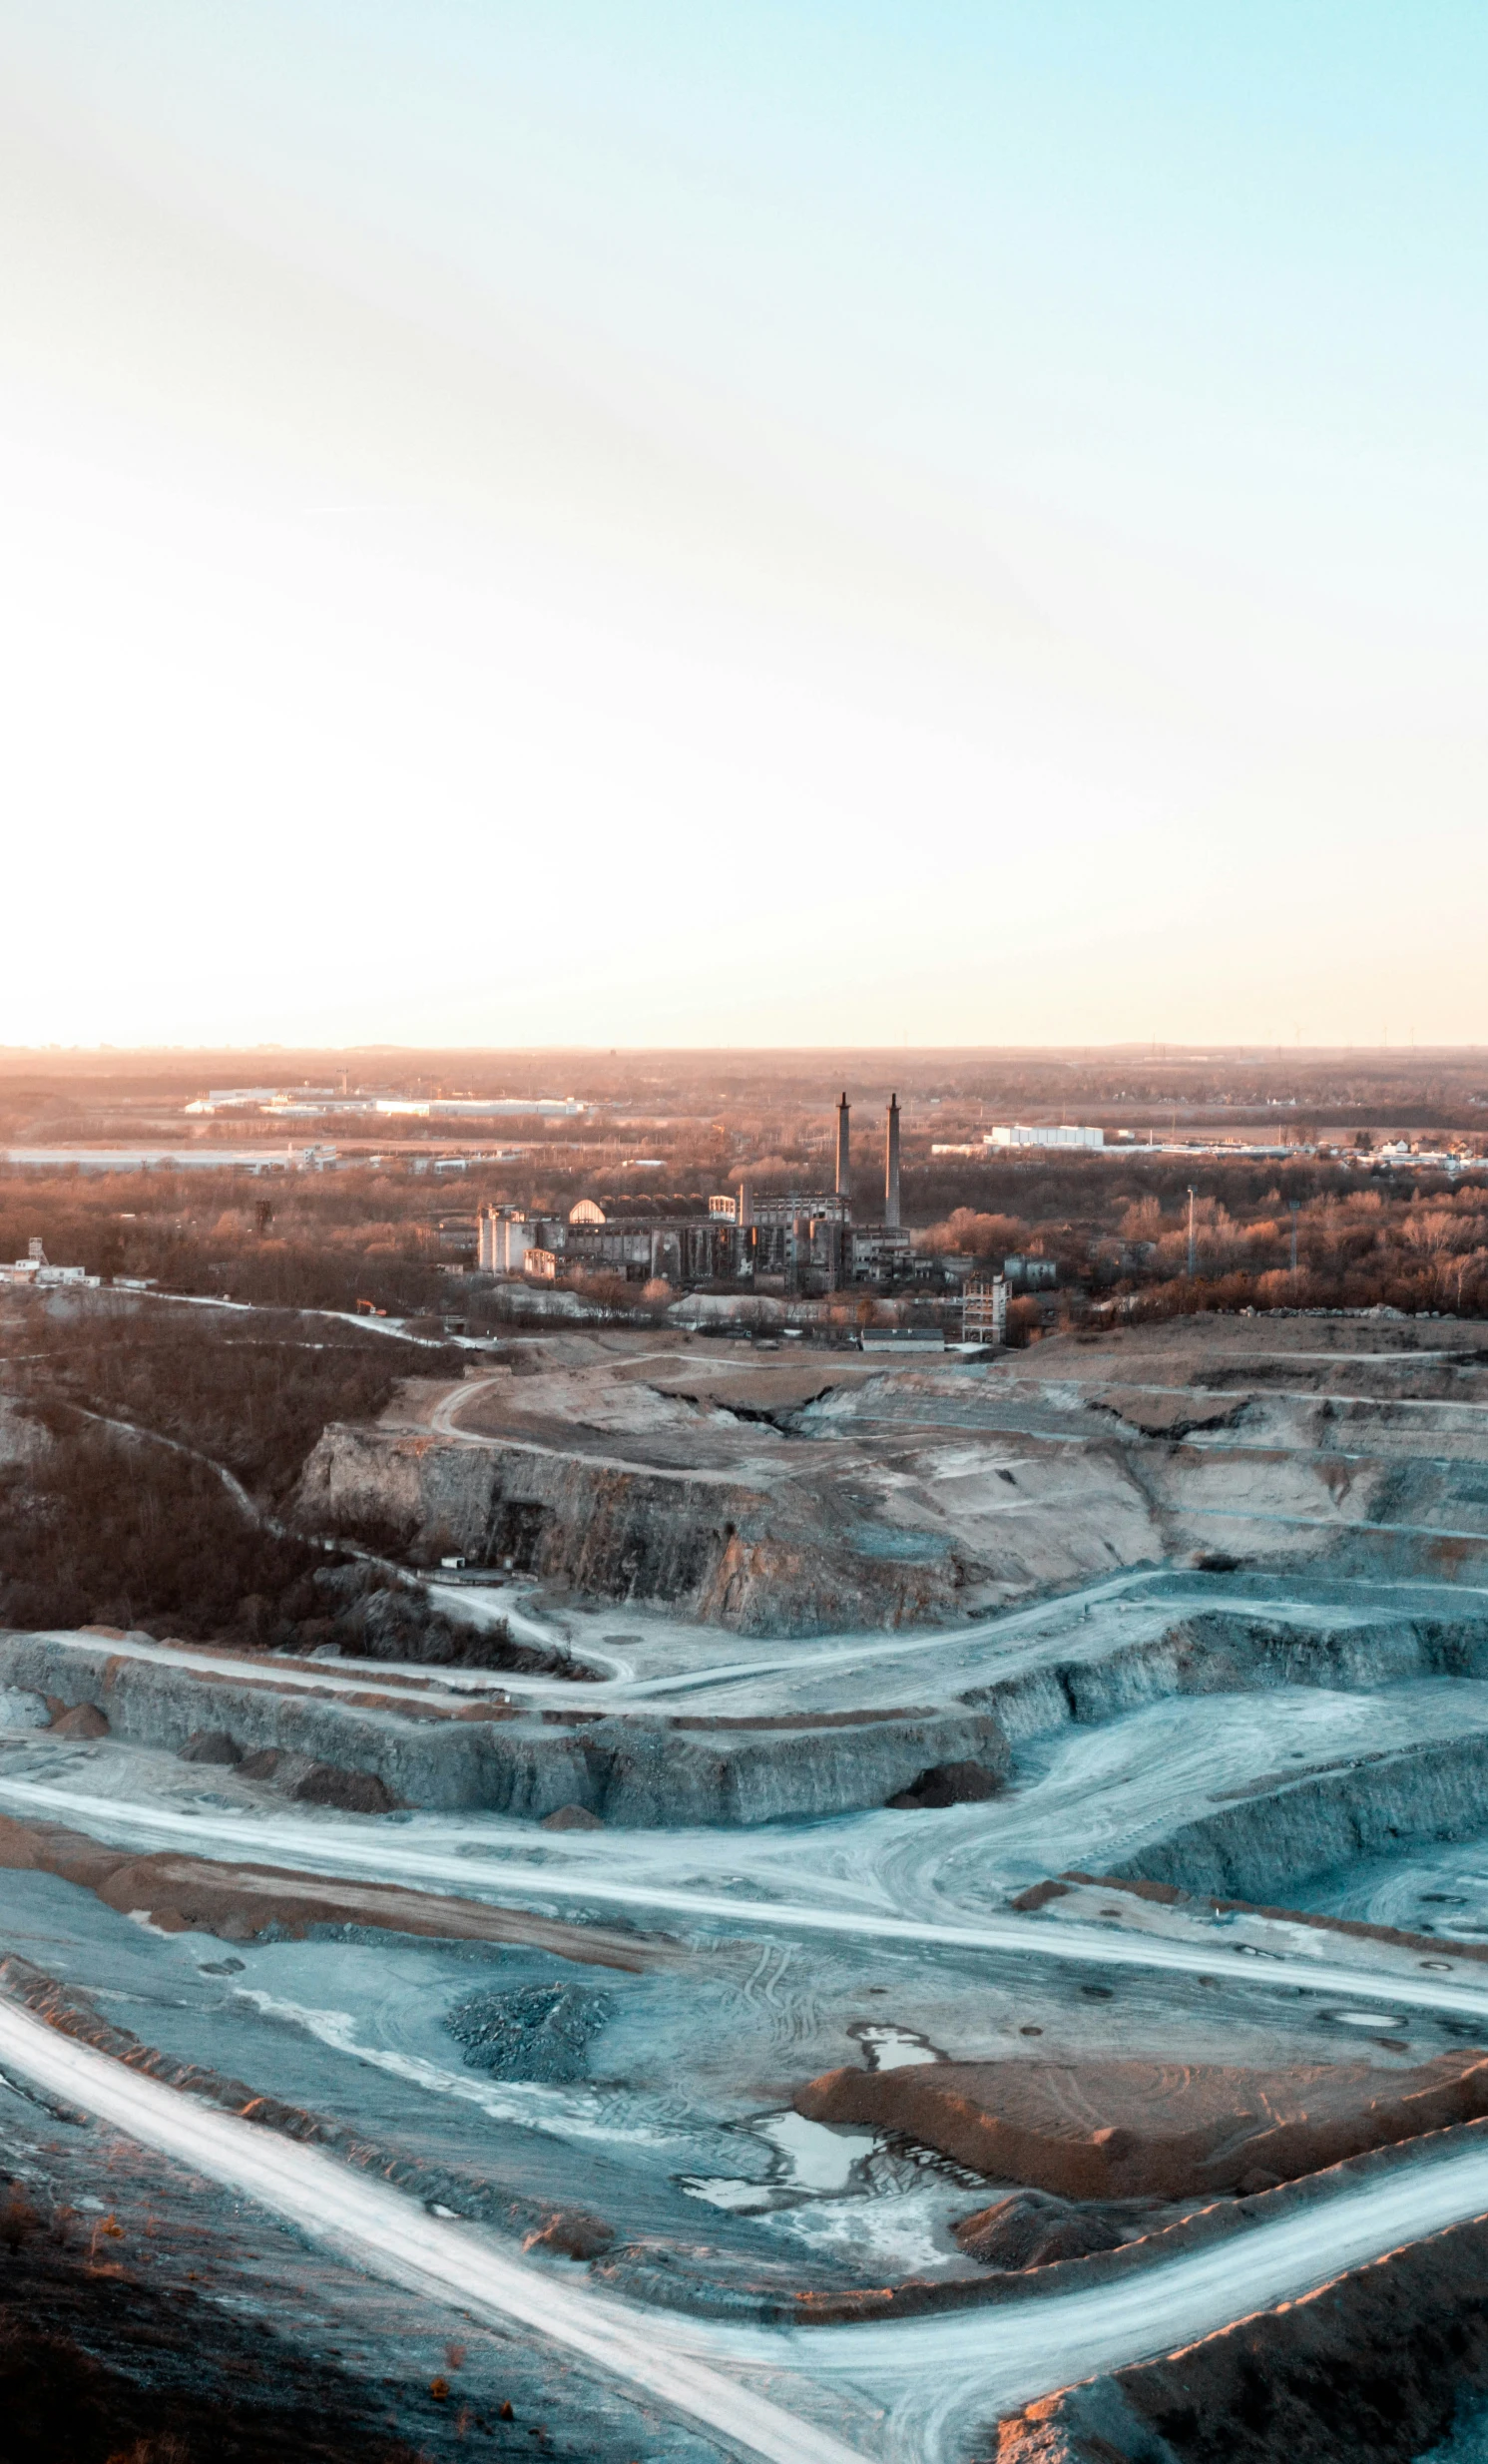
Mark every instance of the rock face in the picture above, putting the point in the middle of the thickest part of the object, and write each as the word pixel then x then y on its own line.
pixel 1151 2129
pixel 1278 1832
pixel 369 1752
pixel 760 1561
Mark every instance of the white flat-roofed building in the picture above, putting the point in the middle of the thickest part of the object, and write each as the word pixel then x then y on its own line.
pixel 39 1276
pixel 478 1108
pixel 1044 1133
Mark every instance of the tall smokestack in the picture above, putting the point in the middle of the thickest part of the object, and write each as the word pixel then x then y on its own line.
pixel 891 1162
pixel 844 1157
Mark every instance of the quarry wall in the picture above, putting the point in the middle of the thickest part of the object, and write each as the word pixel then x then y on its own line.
pixel 647 1773
pixel 719 1551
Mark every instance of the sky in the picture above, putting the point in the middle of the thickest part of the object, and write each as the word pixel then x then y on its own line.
pixel 620 522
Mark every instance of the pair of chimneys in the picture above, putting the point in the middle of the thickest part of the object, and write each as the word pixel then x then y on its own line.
pixel 890 1156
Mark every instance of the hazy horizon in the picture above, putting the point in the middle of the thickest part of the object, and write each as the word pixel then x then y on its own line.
pixel 637 529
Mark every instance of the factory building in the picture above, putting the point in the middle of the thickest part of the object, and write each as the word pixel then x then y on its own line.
pixel 984 1311
pixel 802 1241
pixel 506 1237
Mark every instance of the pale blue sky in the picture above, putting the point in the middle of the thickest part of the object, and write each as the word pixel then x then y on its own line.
pixel 1008 479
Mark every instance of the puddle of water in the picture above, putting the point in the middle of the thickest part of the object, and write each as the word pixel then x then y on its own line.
pixel 738 2197
pixel 895 2049
pixel 819 2158
pixel 1368 2019
pixel 810 2158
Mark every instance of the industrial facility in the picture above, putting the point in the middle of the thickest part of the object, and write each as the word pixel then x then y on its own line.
pixel 796 1242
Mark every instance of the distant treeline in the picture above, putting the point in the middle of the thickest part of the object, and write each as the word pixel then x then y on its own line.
pixel 1401 1241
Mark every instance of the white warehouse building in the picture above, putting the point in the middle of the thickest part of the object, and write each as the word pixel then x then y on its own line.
pixel 1044 1133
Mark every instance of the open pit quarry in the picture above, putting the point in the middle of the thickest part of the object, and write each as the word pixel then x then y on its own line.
pixel 932 1912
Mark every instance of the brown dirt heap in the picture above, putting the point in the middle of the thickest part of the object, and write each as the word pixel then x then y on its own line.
pixel 187 1894
pixel 1151 2129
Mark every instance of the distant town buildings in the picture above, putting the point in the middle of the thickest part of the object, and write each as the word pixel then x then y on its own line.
pixel 1030 1274
pixel 309 1103
pixel 36 1272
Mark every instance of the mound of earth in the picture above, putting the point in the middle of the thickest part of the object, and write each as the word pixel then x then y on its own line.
pixel 1380 2363
pixel 1033 2230
pixel 318 1783
pixel 571 2233
pixel 1151 2129
pixel 948 1783
pixel 533 2032
pixel 84 1719
pixel 213 1745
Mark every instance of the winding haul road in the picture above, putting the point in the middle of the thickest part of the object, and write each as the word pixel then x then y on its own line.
pixel 589 1877
pixel 756 2389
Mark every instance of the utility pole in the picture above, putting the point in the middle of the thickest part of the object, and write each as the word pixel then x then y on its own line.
pixel 1191 1241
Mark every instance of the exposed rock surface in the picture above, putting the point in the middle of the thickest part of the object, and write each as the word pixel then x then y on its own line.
pixel 20 1708
pixel 1280 1831
pixel 1151 2129
pixel 646 1771
pixel 760 1560
pixel 694 1483
pixel 1226 1651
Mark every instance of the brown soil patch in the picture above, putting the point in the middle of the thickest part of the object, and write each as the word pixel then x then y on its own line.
pixel 1167 1415
pixel 84 1719
pixel 1151 2129
pixel 570 2233
pixel 1167 1896
pixel 948 1783
pixel 800 1720
pixel 188 1894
